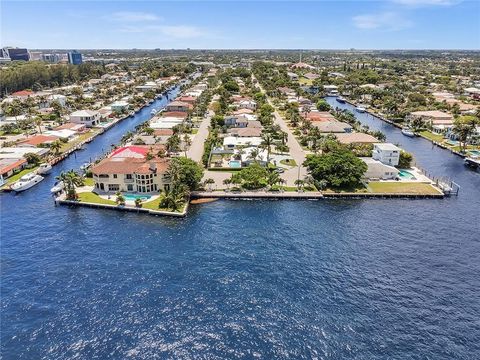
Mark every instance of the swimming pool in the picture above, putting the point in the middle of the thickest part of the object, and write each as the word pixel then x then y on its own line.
pixel 474 152
pixel 406 175
pixel 235 164
pixel 133 197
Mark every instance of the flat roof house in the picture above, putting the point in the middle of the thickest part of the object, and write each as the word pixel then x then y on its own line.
pixel 89 118
pixel 386 153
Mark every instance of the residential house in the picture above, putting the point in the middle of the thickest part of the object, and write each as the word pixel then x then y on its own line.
pixel 332 126
pixel 179 106
pixel 386 153
pixel 88 117
pixel 378 170
pixel 119 106
pixel 356 138
pixel 38 140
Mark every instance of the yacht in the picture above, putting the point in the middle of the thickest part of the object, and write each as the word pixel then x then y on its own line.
pixel 153 112
pixel 408 132
pixel 57 187
pixel 360 109
pixel 26 182
pixel 44 169
pixel 341 100
pixel 474 163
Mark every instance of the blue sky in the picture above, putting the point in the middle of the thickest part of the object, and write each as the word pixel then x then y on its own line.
pixel 388 24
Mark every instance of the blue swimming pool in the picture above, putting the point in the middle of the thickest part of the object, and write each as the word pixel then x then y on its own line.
pixel 474 152
pixel 406 175
pixel 133 197
pixel 235 163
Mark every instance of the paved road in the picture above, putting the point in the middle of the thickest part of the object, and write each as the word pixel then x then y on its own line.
pixel 196 149
pixel 296 150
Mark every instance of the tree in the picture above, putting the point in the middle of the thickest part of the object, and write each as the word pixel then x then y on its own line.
pixel 173 143
pixel 464 127
pixel 120 199
pixel 208 183
pixel 32 159
pixel 405 160
pixel 38 122
pixel 273 178
pixel 171 200
pixel 71 179
pixel 185 171
pixel 227 182
pixel 267 142
pixel 340 168
pixel 56 146
pixel 323 105
pixel 251 177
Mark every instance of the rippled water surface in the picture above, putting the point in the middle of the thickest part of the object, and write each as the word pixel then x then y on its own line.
pixel 357 279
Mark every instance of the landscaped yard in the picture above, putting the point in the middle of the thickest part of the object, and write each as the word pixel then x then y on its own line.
pixel 288 162
pixel 88 182
pixel 432 136
pixel 94 198
pixel 402 188
pixel 67 146
pixel 153 205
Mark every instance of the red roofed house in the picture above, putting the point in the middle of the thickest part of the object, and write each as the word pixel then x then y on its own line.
pixel 179 106
pixel 22 94
pixel 130 174
pixel 177 114
pixel 38 140
pixel 188 99
pixel 10 166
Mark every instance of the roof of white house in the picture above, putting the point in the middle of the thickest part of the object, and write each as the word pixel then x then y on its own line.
pixel 235 141
pixel 64 133
pixel 84 113
pixel 19 152
pixel 387 147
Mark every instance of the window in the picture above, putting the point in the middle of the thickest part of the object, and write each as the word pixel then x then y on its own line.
pixel 114 176
pixel 129 187
pixel 128 176
pixel 113 187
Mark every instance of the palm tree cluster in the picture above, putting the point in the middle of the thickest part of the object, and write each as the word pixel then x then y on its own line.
pixel 71 179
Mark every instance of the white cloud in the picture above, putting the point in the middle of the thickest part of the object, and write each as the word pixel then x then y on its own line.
pixel 427 2
pixel 387 21
pixel 131 16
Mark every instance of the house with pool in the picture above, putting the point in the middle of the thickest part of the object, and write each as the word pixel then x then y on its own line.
pixel 132 170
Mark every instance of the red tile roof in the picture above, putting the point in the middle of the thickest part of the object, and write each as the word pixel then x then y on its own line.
pixel 179 114
pixel 12 166
pixel 23 93
pixel 39 139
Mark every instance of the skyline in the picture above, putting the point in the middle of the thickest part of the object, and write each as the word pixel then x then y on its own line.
pixel 364 25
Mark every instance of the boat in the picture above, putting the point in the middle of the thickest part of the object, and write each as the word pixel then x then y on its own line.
pixel 360 109
pixel 341 100
pixel 85 166
pixel 26 182
pixel 408 132
pixel 44 169
pixel 153 112
pixel 57 187
pixel 474 163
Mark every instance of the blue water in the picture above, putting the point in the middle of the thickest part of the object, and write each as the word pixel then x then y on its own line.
pixel 356 279
pixel 134 197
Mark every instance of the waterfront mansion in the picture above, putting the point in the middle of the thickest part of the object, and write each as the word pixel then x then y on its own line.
pixel 133 169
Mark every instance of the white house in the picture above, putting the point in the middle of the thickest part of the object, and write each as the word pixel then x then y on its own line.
pixel 247 104
pixel 231 142
pixel 378 170
pixel 119 106
pixel 88 117
pixel 386 153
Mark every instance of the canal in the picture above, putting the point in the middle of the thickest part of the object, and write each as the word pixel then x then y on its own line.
pixel 336 279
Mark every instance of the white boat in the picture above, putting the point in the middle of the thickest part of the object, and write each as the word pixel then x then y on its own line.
pixel 360 109
pixel 340 99
pixel 59 186
pixel 85 166
pixel 153 112
pixel 408 132
pixel 44 169
pixel 26 182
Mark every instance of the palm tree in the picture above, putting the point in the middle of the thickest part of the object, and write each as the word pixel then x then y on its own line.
pixel 120 200
pixel 171 200
pixel 38 122
pixel 267 142
pixel 70 179
pixel 209 182
pixel 254 154
pixel 299 183
pixel 227 182
pixel 55 146
pixel 187 142
pixel 273 178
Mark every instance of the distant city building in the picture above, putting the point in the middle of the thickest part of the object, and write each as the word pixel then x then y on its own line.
pixel 74 57
pixel 16 53
pixel 51 58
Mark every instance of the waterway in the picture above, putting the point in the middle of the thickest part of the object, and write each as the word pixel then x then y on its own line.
pixel 329 279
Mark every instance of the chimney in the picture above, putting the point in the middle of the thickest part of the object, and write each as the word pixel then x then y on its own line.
pixel 153 166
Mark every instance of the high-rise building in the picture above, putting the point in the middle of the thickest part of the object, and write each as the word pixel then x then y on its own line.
pixel 74 57
pixel 16 53
pixel 52 58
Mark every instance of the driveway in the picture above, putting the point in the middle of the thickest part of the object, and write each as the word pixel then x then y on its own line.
pixel 195 152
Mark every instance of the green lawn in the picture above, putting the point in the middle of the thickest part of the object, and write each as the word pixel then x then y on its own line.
pixel 431 136
pixel 402 188
pixel 94 198
pixel 304 81
pixel 17 176
pixel 67 146
pixel 89 182
pixel 154 205
pixel 288 162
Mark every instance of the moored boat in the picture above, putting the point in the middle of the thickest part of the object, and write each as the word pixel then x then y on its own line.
pixel 57 187
pixel 153 112
pixel 360 109
pixel 44 169
pixel 340 99
pixel 26 182
pixel 408 132
pixel 472 162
